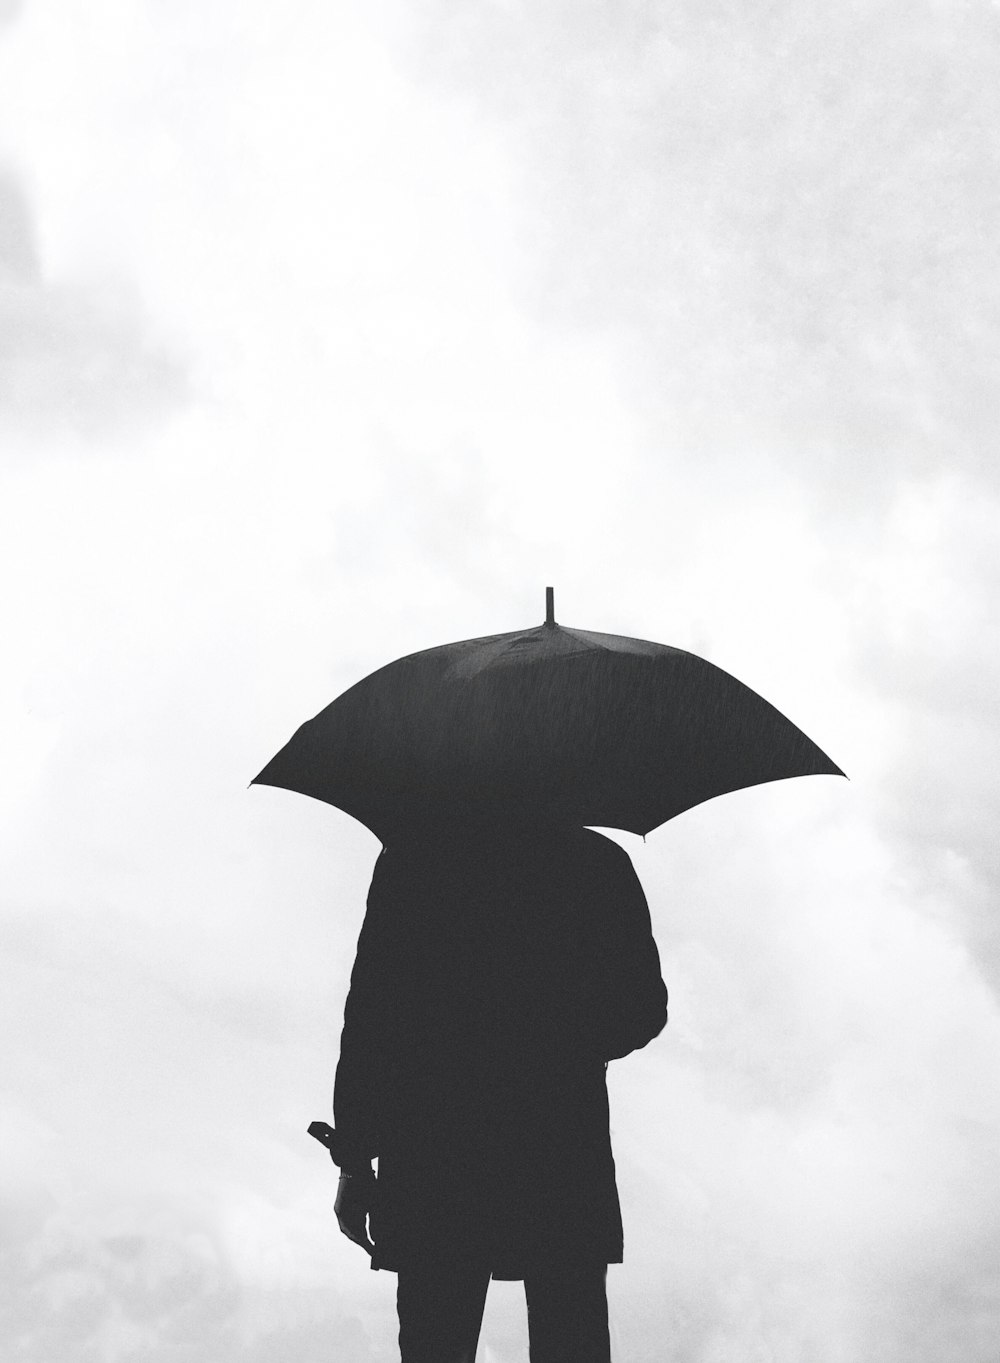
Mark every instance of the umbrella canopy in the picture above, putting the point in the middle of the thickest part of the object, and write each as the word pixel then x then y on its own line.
pixel 551 722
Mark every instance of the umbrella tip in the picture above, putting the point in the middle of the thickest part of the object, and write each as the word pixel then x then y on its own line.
pixel 550 609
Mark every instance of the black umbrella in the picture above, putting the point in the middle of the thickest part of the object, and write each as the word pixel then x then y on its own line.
pixel 550 722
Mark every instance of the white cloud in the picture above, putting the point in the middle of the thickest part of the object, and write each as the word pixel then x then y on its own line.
pixel 784 217
pixel 73 357
pixel 685 312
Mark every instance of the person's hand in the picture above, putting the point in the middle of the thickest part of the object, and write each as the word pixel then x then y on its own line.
pixel 355 1195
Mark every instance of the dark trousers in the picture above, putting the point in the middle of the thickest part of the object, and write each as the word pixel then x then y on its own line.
pixel 441 1313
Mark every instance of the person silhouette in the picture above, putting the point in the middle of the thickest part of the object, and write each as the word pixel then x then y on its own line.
pixel 501 965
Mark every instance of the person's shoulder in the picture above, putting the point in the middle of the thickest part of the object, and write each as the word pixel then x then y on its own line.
pixel 394 867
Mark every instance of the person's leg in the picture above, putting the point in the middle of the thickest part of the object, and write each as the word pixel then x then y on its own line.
pixel 440 1312
pixel 568 1314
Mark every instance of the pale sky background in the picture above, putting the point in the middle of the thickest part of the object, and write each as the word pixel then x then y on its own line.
pixel 333 331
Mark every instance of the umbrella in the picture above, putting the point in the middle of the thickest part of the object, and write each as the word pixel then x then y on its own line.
pixel 549 722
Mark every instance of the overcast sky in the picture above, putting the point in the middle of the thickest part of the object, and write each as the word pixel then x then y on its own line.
pixel 329 332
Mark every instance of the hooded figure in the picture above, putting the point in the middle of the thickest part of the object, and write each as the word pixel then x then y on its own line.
pixel 499 969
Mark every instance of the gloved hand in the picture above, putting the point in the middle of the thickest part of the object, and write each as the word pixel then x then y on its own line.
pixel 355 1198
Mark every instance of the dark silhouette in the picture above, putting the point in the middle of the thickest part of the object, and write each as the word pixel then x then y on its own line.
pixel 581 727
pixel 502 965
pixel 499 968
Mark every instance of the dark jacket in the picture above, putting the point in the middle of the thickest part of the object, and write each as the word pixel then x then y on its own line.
pixel 495 976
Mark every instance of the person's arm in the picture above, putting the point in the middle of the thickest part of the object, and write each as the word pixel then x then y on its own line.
pixel 630 997
pixel 359 1086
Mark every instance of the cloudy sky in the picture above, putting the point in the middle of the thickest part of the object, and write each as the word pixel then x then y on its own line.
pixel 333 331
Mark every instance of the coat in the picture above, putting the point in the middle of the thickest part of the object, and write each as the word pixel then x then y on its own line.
pixel 496 975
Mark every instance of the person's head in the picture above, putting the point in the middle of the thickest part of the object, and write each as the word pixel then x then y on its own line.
pixel 460 825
